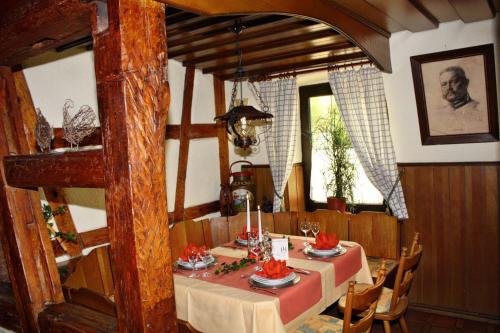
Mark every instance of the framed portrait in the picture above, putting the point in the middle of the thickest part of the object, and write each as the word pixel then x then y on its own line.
pixel 456 95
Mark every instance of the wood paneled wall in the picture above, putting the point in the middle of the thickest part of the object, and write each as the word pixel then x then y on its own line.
pixel 455 207
pixel 294 191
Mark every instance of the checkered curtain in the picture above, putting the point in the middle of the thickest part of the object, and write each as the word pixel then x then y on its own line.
pixel 281 98
pixel 360 97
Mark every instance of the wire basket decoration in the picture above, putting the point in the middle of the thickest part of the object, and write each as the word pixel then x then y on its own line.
pixel 43 131
pixel 79 126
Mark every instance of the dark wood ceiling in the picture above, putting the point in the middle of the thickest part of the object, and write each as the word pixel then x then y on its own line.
pixel 273 43
pixel 270 43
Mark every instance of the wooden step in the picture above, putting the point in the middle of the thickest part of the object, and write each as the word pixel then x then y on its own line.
pixel 58 169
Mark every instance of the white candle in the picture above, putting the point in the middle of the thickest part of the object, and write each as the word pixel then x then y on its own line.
pixel 260 224
pixel 248 212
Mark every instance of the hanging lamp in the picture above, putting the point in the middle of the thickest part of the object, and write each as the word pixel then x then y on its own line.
pixel 241 120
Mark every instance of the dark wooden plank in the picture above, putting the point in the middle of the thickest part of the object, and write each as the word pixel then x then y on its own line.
pixel 407 13
pixel 370 15
pixel 472 11
pixel 135 106
pixel 442 10
pixel 272 54
pixel 195 131
pixel 94 237
pixel 23 231
pixel 68 317
pixel 187 101
pixel 68 169
pixel 9 318
pixel 372 42
pixel 295 63
pixel 220 109
pixel 229 37
pixel 308 34
pixel 32 29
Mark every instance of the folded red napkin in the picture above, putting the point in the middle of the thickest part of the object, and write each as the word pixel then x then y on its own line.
pixel 274 269
pixel 243 234
pixel 326 241
pixel 190 248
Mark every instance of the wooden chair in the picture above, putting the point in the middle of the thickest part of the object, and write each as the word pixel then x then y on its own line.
pixel 393 303
pixel 399 296
pixel 364 301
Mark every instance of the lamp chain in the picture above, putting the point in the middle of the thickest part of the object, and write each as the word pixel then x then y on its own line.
pixel 256 93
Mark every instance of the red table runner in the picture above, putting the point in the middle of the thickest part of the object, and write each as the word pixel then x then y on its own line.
pixel 345 265
pixel 294 300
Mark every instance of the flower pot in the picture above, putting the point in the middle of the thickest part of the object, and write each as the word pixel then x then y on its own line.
pixel 336 204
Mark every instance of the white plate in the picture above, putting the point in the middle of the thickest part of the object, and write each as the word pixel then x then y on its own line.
pixel 197 265
pixel 339 250
pixel 273 282
pixel 327 252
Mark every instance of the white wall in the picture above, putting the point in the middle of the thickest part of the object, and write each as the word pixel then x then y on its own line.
pixel 401 96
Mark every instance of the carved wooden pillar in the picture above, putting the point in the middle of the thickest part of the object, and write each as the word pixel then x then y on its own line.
pixel 130 63
pixel 25 241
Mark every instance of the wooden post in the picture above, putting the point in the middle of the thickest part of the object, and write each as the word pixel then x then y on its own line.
pixel 25 240
pixel 180 191
pixel 220 109
pixel 130 63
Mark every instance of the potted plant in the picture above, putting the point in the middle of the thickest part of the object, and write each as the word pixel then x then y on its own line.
pixel 332 139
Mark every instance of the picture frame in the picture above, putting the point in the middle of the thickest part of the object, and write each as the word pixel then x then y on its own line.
pixel 456 95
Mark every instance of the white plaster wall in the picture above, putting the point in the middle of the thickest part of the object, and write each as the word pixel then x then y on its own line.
pixel 401 96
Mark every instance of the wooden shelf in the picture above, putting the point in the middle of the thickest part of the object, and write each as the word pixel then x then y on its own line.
pixel 58 169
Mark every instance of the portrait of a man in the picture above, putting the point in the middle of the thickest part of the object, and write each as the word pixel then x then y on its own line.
pixel 455 95
pixel 455 105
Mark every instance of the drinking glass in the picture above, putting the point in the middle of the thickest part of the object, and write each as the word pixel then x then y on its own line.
pixel 193 258
pixel 315 228
pixel 255 250
pixel 305 227
pixel 206 256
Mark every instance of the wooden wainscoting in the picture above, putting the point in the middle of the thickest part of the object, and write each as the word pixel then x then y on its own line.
pixel 455 207
pixel 294 191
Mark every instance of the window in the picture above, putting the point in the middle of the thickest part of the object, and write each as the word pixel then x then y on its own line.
pixel 315 102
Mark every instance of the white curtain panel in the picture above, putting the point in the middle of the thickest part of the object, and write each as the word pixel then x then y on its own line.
pixel 281 98
pixel 360 97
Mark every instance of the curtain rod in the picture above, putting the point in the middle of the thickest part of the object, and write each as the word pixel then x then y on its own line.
pixel 311 70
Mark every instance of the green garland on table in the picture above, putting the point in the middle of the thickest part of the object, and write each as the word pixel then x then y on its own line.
pixel 234 266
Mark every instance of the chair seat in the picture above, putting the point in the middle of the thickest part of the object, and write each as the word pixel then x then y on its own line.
pixel 321 324
pixel 384 300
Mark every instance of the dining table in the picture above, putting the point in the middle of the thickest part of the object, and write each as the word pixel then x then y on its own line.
pixel 229 303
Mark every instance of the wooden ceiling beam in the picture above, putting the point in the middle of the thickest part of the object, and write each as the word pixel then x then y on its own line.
pixel 442 10
pixel 75 169
pixel 372 42
pixel 230 38
pixel 192 35
pixel 407 13
pixel 195 23
pixel 35 31
pixel 278 54
pixel 293 64
pixel 226 51
pixel 472 11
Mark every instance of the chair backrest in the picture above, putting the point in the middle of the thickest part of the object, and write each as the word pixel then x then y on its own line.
pixel 285 223
pixel 365 302
pixel 219 230
pixel 408 263
pixel 377 232
pixel 329 221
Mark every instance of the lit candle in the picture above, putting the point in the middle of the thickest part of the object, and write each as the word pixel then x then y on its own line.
pixel 248 212
pixel 260 224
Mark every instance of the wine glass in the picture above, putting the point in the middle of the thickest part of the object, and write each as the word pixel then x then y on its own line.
pixel 315 228
pixel 255 249
pixel 206 257
pixel 193 258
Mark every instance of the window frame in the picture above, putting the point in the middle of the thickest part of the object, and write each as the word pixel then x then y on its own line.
pixel 305 93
